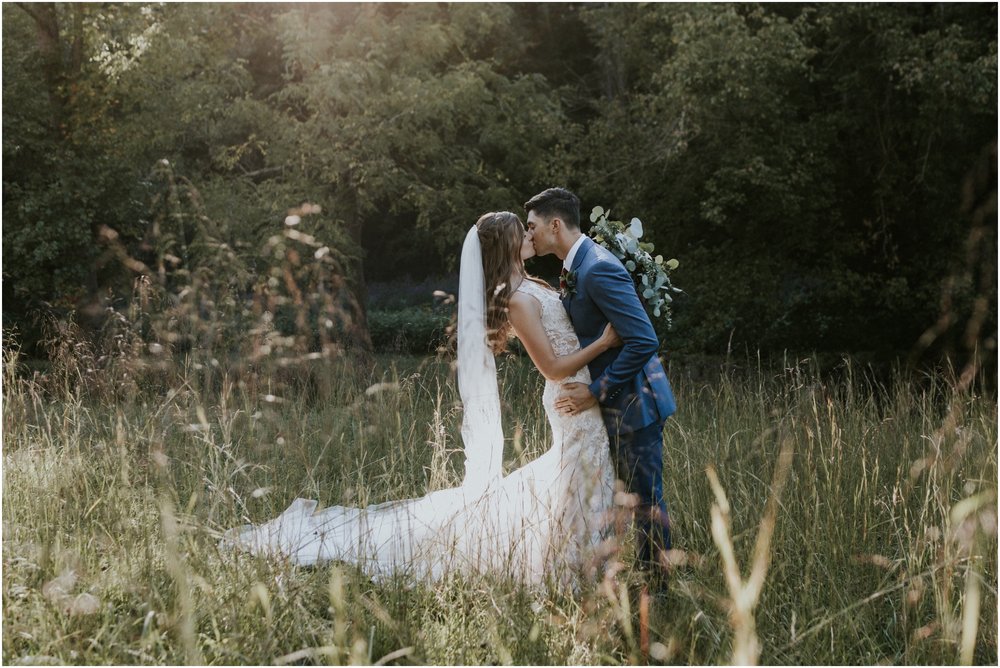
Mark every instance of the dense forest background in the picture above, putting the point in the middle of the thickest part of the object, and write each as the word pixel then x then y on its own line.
pixel 824 173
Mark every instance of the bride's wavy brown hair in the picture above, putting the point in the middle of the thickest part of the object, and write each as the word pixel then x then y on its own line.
pixel 501 234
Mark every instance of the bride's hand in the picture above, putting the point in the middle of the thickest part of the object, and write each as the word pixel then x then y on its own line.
pixel 610 337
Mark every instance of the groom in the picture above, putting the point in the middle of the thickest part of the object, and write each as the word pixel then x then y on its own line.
pixel 629 382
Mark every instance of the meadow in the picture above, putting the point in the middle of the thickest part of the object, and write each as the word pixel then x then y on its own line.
pixel 833 519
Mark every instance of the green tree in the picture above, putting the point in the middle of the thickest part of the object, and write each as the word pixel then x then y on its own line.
pixel 403 123
pixel 62 175
pixel 182 85
pixel 404 114
pixel 803 162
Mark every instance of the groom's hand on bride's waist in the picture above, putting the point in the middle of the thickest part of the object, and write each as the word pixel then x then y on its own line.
pixel 574 398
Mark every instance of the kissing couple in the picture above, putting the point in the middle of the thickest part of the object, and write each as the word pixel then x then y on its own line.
pixel 606 398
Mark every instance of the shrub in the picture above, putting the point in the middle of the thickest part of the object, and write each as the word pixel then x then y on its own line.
pixel 411 329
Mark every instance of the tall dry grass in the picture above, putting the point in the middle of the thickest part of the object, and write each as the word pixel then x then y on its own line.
pixel 816 521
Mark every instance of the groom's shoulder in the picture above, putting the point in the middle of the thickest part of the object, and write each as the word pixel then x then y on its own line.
pixel 601 259
pixel 602 254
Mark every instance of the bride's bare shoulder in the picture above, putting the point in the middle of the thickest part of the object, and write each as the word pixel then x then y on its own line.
pixel 522 299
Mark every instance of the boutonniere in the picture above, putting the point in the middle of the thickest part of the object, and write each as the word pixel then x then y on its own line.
pixel 567 283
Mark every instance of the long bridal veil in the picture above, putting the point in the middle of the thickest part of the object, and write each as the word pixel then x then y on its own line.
pixel 477 374
pixel 490 523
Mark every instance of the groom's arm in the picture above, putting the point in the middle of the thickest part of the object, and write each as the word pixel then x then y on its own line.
pixel 612 290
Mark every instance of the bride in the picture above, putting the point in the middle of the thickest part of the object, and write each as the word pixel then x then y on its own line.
pixel 542 521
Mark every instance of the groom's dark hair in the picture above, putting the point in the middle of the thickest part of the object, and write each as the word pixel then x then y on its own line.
pixel 556 202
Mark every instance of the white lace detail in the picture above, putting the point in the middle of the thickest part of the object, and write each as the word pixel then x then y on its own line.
pixel 581 439
pixel 540 522
pixel 557 325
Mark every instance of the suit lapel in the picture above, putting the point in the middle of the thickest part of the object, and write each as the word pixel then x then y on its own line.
pixel 586 246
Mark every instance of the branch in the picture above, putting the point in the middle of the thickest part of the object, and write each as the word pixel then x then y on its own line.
pixel 77 59
pixel 267 171
pixel 45 18
pixel 29 9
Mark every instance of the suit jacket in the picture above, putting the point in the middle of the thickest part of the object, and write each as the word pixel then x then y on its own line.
pixel 629 382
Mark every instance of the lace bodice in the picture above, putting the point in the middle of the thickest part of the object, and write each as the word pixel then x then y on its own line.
pixel 556 322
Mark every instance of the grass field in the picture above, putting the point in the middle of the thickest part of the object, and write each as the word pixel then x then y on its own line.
pixel 881 547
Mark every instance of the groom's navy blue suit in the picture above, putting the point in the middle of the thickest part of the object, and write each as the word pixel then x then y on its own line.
pixel 629 383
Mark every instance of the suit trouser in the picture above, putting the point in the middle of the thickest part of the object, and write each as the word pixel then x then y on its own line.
pixel 638 457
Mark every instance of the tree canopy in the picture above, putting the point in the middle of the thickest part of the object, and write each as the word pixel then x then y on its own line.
pixel 805 163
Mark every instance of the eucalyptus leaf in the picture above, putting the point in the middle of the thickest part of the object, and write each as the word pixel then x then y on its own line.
pixel 635 228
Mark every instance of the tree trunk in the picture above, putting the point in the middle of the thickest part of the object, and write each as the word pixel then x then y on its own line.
pixel 46 20
pixel 62 62
pixel 355 275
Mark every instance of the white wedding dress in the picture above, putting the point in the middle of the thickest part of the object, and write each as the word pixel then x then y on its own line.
pixel 539 523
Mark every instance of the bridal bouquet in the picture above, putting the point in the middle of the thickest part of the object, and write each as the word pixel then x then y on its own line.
pixel 650 273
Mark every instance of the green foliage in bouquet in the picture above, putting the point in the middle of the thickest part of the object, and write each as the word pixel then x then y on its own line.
pixel 650 272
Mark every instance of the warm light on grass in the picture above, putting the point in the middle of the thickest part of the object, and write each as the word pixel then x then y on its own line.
pixel 841 522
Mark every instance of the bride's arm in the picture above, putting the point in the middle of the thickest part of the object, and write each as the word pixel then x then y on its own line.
pixel 526 318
